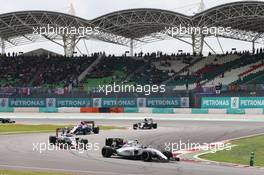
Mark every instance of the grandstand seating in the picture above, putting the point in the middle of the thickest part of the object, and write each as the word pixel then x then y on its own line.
pixel 28 71
pixel 112 69
pixel 178 71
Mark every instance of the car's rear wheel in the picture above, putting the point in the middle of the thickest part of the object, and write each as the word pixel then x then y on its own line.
pixel 146 156
pixel 52 140
pixel 107 151
pixel 84 141
pixel 96 130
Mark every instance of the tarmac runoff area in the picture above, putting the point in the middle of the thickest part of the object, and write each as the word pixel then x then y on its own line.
pixel 17 151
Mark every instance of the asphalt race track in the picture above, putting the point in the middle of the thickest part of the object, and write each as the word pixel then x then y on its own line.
pixel 17 150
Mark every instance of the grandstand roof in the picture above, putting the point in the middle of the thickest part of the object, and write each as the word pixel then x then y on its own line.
pixel 246 18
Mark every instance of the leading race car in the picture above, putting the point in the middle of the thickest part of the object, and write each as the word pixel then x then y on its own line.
pixel 66 140
pixel 84 128
pixel 134 150
pixel 146 124
pixel 6 120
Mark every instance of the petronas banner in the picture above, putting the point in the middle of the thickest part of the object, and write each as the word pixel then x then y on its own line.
pixel 233 102
pixel 27 102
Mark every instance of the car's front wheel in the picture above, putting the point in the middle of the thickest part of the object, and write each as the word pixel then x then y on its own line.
pixel 135 126
pixel 146 156
pixel 107 151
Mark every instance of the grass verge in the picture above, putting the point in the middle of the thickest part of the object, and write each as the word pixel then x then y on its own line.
pixel 22 128
pixel 13 172
pixel 240 154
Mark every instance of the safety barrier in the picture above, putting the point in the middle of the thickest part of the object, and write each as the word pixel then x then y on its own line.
pixel 69 110
pixel 89 110
pixel 48 110
pixel 217 111
pixel 163 110
pixel 130 110
pixel 236 111
pixel 199 111
pixel 182 110
pixel 26 110
pixel 7 109
pixel 253 111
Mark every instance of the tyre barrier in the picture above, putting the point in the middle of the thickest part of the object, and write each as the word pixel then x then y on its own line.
pixel 256 111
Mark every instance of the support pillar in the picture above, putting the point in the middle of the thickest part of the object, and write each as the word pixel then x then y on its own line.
pixel 69 45
pixel 2 46
pixel 131 47
pixel 253 46
pixel 197 43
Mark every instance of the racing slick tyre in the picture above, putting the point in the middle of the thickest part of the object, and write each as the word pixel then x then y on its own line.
pixel 114 142
pixel 155 126
pixel 83 144
pixel 84 141
pixel 96 130
pixel 177 159
pixel 85 132
pixel 135 126
pixel 107 151
pixel 108 142
pixel 52 140
pixel 146 156
pixel 168 154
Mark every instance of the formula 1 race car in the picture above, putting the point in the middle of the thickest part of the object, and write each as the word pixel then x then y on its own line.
pixel 84 128
pixel 146 124
pixel 6 120
pixel 65 140
pixel 134 150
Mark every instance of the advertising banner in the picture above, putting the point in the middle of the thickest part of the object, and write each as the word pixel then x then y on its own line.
pixel 163 102
pixel 233 102
pixel 73 102
pixel 216 102
pixel 173 102
pixel 119 102
pixel 27 102
pixel 251 102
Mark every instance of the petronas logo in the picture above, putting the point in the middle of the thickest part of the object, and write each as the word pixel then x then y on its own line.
pixel 234 102
pixel 3 102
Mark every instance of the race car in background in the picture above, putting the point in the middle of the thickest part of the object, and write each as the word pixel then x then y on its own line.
pixel 134 150
pixel 65 140
pixel 85 128
pixel 6 120
pixel 148 123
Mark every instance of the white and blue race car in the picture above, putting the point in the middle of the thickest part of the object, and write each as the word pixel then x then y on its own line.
pixel 134 150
